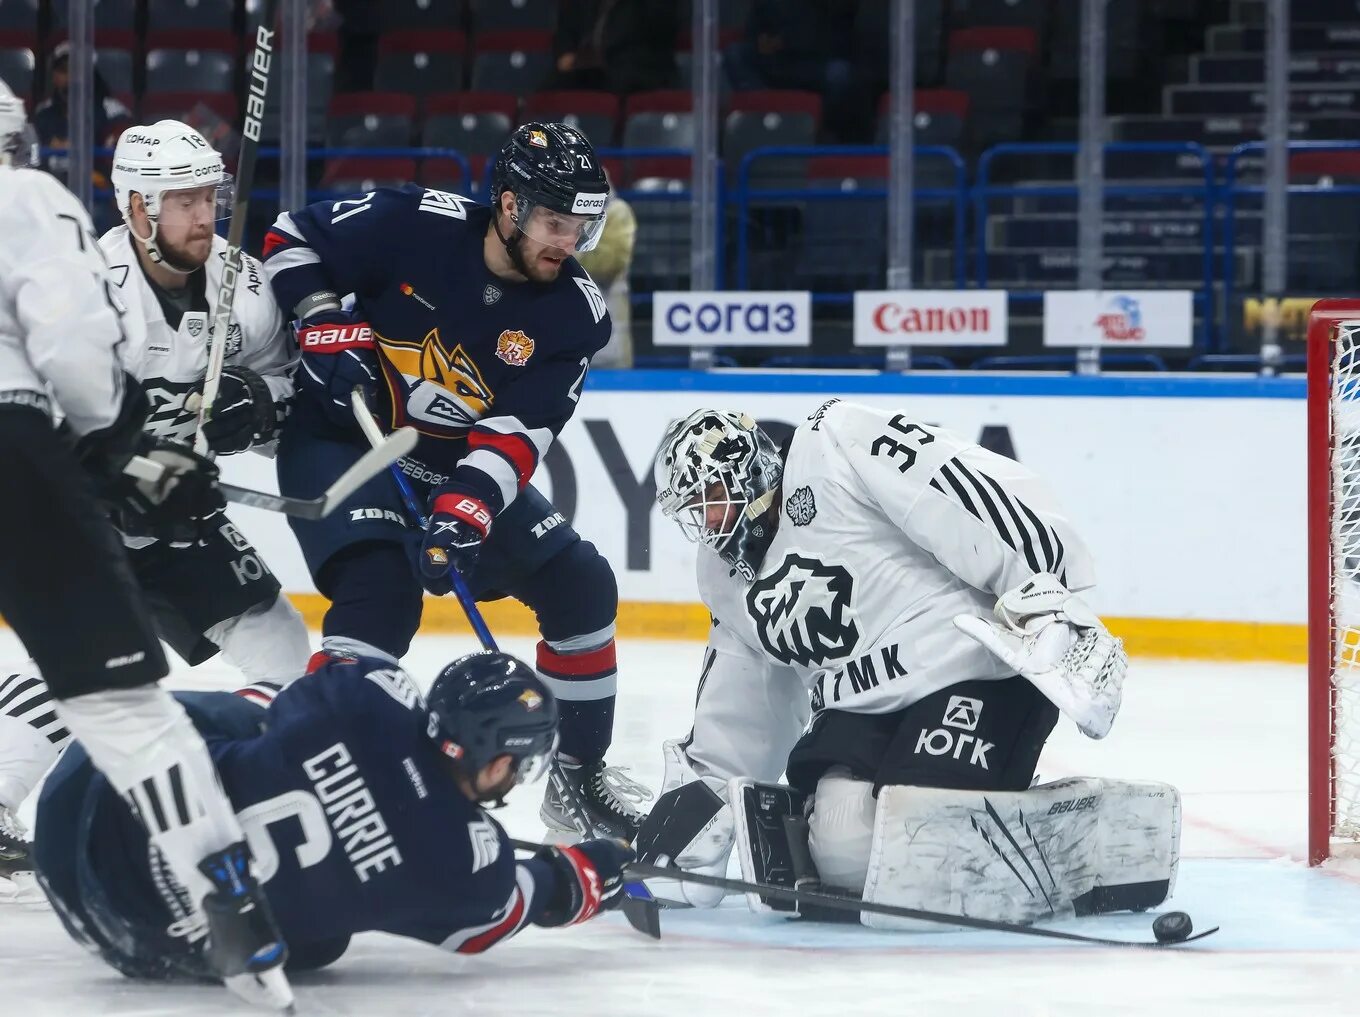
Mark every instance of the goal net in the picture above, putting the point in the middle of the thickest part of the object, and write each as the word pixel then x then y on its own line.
pixel 1334 577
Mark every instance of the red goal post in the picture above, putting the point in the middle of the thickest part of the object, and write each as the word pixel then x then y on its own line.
pixel 1333 578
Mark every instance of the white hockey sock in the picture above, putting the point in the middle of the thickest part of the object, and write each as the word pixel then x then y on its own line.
pixel 268 644
pixel 31 734
pixel 143 742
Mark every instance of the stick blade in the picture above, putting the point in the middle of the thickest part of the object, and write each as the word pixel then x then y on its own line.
pixel 643 913
pixel 397 444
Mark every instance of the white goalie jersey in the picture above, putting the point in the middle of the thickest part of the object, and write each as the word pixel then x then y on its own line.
pixel 58 341
pixel 888 528
pixel 171 362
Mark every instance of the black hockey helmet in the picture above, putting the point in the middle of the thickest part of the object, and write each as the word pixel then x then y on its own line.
pixel 553 168
pixel 491 704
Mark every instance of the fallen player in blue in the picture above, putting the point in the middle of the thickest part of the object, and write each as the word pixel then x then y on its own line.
pixel 362 804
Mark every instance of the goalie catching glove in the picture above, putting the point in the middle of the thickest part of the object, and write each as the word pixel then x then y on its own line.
pixel 1050 637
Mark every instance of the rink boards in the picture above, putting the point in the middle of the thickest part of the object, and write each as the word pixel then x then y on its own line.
pixel 1190 490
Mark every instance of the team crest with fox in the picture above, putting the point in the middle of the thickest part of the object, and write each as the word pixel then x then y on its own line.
pixel 802 612
pixel 515 348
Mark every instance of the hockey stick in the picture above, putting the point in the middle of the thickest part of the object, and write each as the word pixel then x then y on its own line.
pixel 642 870
pixel 641 910
pixel 368 466
pixel 262 58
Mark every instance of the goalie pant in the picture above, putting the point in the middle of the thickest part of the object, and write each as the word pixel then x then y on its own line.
pixel 387 841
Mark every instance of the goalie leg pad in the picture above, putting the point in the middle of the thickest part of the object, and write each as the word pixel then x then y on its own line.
pixel 1083 845
pixel 770 847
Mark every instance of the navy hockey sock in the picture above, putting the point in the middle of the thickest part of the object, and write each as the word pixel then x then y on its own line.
pixel 584 684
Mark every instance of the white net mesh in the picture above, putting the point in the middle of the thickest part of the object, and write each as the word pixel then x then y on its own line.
pixel 1345 473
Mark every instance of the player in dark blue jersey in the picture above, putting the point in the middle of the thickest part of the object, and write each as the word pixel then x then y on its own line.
pixel 476 326
pixel 361 801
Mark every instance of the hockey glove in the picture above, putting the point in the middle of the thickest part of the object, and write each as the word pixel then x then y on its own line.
pixel 1049 636
pixel 182 507
pixel 177 507
pixel 338 354
pixel 453 538
pixel 589 880
pixel 244 413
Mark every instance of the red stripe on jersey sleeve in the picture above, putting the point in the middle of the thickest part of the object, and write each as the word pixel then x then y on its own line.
pixel 500 930
pixel 515 447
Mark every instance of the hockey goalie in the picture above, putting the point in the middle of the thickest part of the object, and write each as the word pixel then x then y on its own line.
pixel 896 627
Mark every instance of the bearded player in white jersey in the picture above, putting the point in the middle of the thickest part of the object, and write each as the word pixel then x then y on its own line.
pixel 896 627
pixel 65 584
pixel 167 260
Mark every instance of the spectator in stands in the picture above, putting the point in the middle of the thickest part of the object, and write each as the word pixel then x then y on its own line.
pixel 608 264
pixel 618 46
pixel 50 119
pixel 809 45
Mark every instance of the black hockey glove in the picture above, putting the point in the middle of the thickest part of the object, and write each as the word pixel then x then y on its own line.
pixel 182 507
pixel 338 354
pixel 177 507
pixel 458 524
pixel 244 414
pixel 589 880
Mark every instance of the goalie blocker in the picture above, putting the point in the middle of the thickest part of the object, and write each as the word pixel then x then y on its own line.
pixel 1079 846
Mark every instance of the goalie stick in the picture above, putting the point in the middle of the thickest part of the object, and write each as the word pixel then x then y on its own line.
pixel 368 466
pixel 641 910
pixel 642 870
pixel 257 89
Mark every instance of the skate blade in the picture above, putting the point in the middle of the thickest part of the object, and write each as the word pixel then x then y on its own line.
pixel 268 989
pixel 21 888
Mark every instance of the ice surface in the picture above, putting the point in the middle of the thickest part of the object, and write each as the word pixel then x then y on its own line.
pixel 1231 736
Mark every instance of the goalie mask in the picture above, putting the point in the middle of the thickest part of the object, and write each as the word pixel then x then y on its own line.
pixel 489 704
pixel 560 188
pixel 183 183
pixel 18 140
pixel 716 476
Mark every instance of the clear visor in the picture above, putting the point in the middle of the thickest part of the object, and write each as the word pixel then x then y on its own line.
pixel 196 206
pixel 531 769
pixel 574 234
pixel 709 515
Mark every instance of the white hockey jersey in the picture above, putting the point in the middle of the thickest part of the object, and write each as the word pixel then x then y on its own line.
pixel 888 528
pixel 60 336
pixel 170 363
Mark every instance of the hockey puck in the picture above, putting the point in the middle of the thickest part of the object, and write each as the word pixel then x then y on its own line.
pixel 1172 927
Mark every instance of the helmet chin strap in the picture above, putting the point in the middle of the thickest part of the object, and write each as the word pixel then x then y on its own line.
pixel 153 250
pixel 512 247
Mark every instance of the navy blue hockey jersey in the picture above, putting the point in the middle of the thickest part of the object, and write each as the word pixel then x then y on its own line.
pixel 353 820
pixel 487 370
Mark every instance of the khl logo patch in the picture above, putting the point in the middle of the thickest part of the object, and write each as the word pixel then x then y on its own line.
pixel 801 506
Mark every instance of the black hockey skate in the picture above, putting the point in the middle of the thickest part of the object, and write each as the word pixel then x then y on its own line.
pixel 245 946
pixel 607 796
pixel 14 853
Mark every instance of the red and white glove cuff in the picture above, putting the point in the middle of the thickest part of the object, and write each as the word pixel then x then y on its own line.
pixel 588 879
pixel 465 508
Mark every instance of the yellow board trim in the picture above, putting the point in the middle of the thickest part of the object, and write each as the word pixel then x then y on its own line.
pixel 1144 637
